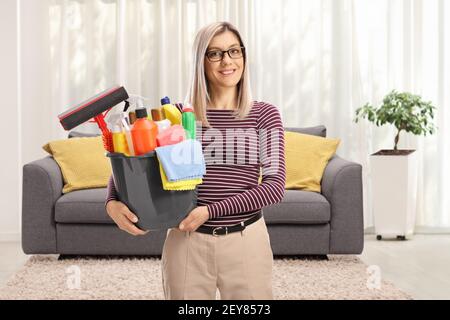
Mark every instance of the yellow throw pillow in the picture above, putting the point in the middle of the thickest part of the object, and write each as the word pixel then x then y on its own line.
pixel 306 159
pixel 82 161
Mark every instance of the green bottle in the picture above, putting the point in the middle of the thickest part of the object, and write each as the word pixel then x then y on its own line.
pixel 188 121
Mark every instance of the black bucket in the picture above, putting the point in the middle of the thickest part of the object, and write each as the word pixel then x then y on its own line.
pixel 138 183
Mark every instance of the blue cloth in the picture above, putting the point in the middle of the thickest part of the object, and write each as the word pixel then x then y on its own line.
pixel 183 160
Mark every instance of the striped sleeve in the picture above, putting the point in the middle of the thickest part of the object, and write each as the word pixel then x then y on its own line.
pixel 111 192
pixel 272 162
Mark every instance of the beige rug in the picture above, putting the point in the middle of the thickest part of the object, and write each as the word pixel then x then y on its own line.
pixel 46 277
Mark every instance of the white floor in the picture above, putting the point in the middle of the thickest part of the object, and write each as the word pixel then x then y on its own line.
pixel 420 266
pixel 12 259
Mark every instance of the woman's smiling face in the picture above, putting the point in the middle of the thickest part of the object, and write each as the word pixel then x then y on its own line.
pixel 228 71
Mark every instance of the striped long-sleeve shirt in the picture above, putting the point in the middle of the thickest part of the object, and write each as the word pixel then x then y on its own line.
pixel 236 152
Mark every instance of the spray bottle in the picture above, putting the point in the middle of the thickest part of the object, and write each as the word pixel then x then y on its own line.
pixel 127 129
pixel 144 133
pixel 119 137
pixel 136 102
pixel 188 120
pixel 120 130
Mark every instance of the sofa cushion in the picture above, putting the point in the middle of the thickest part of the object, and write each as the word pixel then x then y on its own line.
pixel 306 159
pixel 299 207
pixel 82 206
pixel 82 161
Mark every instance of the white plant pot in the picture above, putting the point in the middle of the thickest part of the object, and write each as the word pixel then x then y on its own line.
pixel 394 187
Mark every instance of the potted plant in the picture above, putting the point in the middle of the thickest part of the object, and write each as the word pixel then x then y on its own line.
pixel 394 171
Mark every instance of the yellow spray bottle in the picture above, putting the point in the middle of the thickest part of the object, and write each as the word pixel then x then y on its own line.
pixel 119 137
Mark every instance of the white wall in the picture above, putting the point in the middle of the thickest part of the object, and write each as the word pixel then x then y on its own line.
pixel 10 187
pixel 35 80
pixel 25 90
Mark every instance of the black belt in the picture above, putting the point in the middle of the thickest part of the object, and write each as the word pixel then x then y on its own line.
pixel 220 231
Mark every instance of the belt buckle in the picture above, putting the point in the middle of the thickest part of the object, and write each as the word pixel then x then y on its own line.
pixel 217 228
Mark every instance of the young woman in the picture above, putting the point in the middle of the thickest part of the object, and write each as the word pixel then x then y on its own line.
pixel 223 243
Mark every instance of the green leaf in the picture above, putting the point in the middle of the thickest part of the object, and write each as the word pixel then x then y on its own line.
pixel 403 110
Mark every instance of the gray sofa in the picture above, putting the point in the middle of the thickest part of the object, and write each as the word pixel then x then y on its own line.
pixel 304 223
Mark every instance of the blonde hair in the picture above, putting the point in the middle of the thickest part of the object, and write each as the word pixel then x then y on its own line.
pixel 199 95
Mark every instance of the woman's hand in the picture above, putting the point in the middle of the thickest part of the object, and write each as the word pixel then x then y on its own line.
pixel 123 217
pixel 195 219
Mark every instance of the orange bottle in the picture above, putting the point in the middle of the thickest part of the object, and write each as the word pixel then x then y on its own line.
pixel 143 133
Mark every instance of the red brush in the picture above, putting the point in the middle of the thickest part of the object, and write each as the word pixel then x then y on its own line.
pixel 94 110
pixel 106 133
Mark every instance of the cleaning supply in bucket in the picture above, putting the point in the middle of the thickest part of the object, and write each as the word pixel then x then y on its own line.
pixel 188 121
pixel 121 135
pixel 127 130
pixel 172 112
pixel 118 134
pixel 181 185
pixel 95 108
pixel 144 133
pixel 120 142
pixel 160 120
pixel 182 161
pixel 173 135
pixel 149 114
pixel 136 102
pixel 132 117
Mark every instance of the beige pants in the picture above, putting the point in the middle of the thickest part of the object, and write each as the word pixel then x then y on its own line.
pixel 239 264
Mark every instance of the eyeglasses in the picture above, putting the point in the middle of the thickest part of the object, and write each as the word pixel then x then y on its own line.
pixel 217 55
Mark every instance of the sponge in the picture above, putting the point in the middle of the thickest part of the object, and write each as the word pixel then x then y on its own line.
pixel 179 185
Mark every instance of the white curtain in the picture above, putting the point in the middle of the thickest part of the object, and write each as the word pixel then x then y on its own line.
pixel 316 60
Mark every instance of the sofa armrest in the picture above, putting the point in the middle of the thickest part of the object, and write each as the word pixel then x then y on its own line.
pixel 42 186
pixel 342 186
